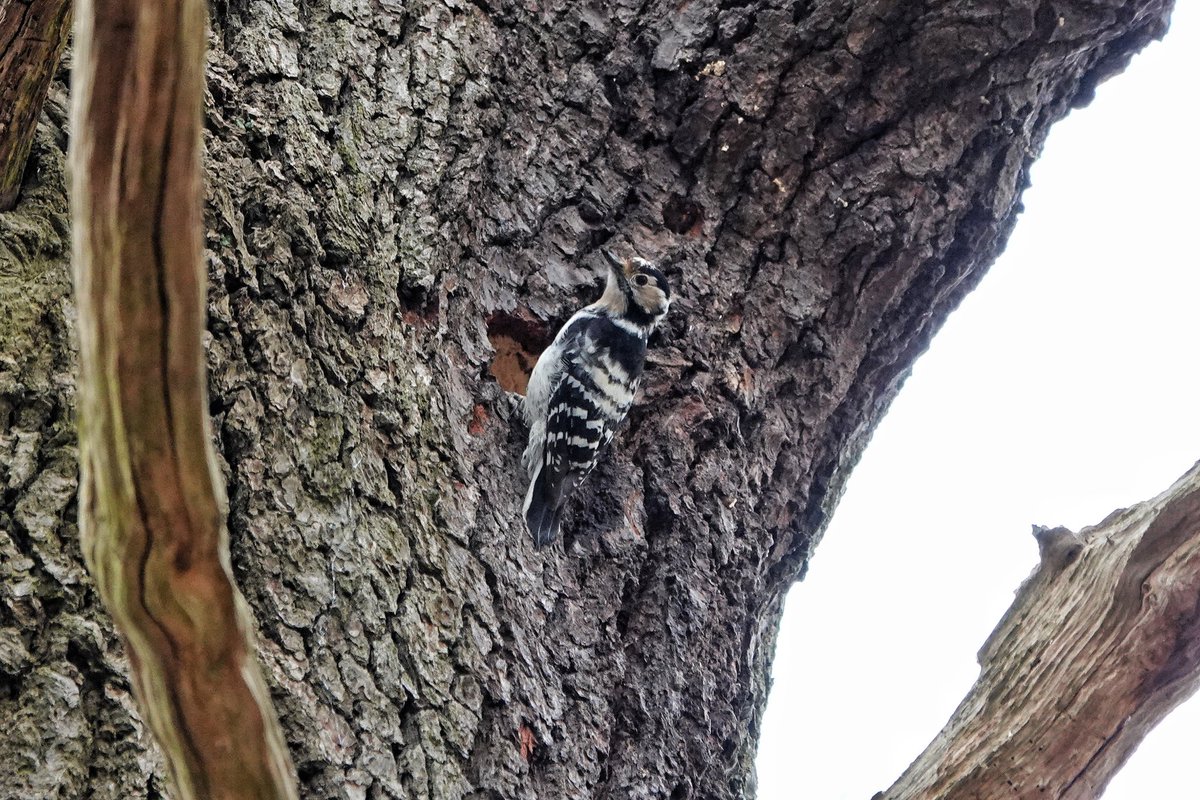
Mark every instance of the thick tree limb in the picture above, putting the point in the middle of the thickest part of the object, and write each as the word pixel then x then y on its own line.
pixel 1101 643
pixel 151 511
pixel 32 36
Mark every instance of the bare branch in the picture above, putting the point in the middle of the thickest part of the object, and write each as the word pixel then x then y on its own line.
pixel 32 36
pixel 151 506
pixel 1101 643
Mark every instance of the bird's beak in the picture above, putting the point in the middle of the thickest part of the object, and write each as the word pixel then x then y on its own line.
pixel 619 266
pixel 613 261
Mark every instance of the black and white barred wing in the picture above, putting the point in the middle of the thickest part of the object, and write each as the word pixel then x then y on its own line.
pixel 581 422
pixel 586 407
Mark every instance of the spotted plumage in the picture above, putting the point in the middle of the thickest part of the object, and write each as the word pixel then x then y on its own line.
pixel 583 385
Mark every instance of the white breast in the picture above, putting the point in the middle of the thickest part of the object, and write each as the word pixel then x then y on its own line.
pixel 546 373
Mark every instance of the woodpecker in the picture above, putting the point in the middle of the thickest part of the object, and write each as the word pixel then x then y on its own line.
pixel 583 385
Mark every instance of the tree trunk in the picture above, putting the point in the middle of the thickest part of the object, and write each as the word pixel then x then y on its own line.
pixel 152 511
pixel 404 202
pixel 32 36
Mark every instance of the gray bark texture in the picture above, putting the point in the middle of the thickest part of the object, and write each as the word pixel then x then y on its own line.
pixel 404 202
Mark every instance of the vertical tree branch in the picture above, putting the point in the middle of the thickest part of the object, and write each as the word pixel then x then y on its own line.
pixel 151 516
pixel 32 36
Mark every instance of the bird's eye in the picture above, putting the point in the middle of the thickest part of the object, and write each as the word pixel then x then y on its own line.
pixel 641 280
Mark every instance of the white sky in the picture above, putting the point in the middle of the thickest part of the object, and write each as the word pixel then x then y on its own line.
pixel 1066 386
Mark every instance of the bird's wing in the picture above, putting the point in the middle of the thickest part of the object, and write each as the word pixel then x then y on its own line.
pixel 580 424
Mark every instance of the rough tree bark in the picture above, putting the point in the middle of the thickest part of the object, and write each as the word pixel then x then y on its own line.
pixel 152 508
pixel 404 201
pixel 33 34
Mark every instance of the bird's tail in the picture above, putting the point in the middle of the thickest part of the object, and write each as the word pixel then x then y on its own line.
pixel 542 511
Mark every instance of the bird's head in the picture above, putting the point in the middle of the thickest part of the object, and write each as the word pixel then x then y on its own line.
pixel 636 288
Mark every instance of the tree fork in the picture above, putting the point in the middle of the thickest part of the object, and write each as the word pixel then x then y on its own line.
pixel 152 518
pixel 32 36
pixel 393 183
pixel 1101 643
